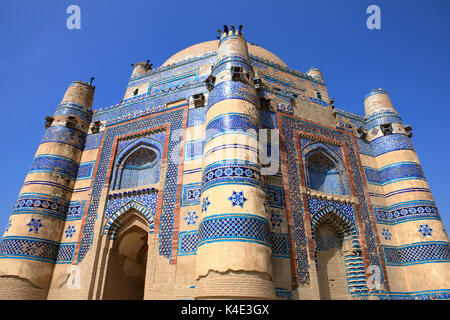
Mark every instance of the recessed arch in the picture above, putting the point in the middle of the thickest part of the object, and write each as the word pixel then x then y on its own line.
pixel 115 221
pixel 126 264
pixel 324 169
pixel 339 265
pixel 138 164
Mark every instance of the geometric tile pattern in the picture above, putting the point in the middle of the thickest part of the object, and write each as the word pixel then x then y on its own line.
pixel 70 231
pixel 344 210
pixel 237 172
pixel 425 252
pixel 238 227
pixel 275 196
pixel 275 218
pixel 143 201
pixel 41 204
pixel 55 164
pixel 280 245
pixel 63 134
pixel 93 141
pixel 289 126
pixel 85 171
pixel 169 196
pixel 190 194
pixel 237 199
pixel 385 144
pixel 75 210
pixel 73 109
pixel 230 123
pixel 407 211
pixel 191 218
pixel 29 248
pixel 395 172
pixel 231 90
pixel 34 225
pixel 187 244
pixel 425 230
pixel 386 234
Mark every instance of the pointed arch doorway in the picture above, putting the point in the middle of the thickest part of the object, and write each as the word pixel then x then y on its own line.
pixel 126 262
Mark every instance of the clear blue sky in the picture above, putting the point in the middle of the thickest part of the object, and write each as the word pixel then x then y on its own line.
pixel 409 57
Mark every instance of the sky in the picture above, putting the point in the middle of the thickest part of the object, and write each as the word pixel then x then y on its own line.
pixel 409 57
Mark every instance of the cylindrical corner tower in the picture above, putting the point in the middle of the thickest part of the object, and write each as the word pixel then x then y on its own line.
pixel 415 244
pixel 315 73
pixel 140 68
pixel 234 251
pixel 30 246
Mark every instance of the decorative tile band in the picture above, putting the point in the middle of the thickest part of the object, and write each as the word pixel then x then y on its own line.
pixel 385 144
pixel 283 294
pixel 62 134
pixel 232 90
pixel 420 295
pixel 234 227
pixel 190 194
pixel 418 253
pixel 36 249
pixel 58 164
pixel 230 123
pixel 393 173
pixel 72 109
pixel 407 211
pixel 41 204
pixel 230 146
pixel 226 65
pixel 187 243
pixel 377 121
pixel 231 172
pixel 400 191
pixel 86 170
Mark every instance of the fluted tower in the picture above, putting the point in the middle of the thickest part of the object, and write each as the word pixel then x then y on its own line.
pixel 234 252
pixel 414 242
pixel 30 246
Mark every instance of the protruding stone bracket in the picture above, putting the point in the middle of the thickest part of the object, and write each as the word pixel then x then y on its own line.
pixel 408 130
pixel 386 129
pixel 71 122
pixel 210 81
pixel 362 134
pixel 48 121
pixel 95 127
pixel 198 100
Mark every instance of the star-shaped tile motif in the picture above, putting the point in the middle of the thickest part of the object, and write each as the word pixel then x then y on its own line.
pixel 70 231
pixel 205 204
pixel 386 234
pixel 34 225
pixel 237 199
pixel 191 218
pixel 425 230
pixel 275 219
